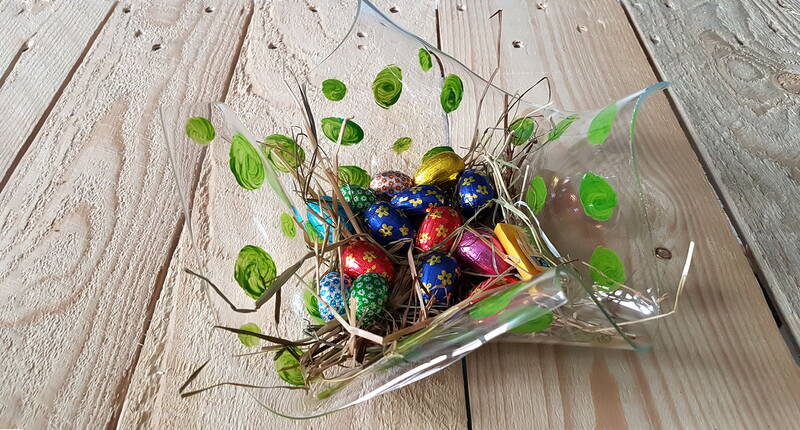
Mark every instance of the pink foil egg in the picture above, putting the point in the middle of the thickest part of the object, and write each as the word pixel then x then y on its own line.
pixel 479 255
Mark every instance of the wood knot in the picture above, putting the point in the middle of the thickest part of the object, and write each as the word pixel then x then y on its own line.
pixel 789 81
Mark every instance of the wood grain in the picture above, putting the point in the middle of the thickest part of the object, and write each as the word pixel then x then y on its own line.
pixel 180 336
pixel 40 46
pixel 737 86
pixel 721 362
pixel 88 224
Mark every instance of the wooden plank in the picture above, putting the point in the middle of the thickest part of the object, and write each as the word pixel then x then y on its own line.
pixel 721 362
pixel 181 338
pixel 745 128
pixel 40 47
pixel 87 217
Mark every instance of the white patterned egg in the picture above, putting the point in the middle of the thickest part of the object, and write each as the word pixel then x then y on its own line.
pixel 334 293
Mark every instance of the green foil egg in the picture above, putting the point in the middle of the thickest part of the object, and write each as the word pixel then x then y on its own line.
pixel 359 198
pixel 370 292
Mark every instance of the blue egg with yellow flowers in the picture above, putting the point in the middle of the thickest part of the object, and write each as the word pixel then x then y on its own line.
pixel 474 191
pixel 387 224
pixel 418 200
pixel 438 277
pixel 320 222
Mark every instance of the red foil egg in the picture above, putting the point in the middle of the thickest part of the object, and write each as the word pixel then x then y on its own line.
pixel 436 227
pixel 362 257
pixel 481 254
pixel 489 285
pixel 390 183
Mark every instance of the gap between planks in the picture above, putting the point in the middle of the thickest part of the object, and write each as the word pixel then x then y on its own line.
pixel 121 393
pixel 693 138
pixel 56 97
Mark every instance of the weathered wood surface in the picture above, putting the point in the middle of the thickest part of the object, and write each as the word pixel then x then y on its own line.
pixel 40 46
pixel 89 237
pixel 737 85
pixel 87 218
pixel 180 336
pixel 720 362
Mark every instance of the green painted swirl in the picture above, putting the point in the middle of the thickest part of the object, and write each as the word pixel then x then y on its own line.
pixel 521 130
pixel 452 93
pixel 536 195
pixel 561 127
pixel 310 303
pixel 436 150
pixel 200 130
pixel 600 127
pixel 353 133
pixel 402 145
pixel 425 61
pixel 283 153
pixel 610 271
pixel 387 86
pixel 288 228
pixel 334 89
pixel 245 163
pixel 250 340
pixel 288 366
pixel 254 270
pixel 354 175
pixel 598 198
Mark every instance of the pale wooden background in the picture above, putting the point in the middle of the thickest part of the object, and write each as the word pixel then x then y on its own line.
pixel 100 327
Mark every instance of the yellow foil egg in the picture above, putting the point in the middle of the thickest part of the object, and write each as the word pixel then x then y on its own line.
pixel 442 167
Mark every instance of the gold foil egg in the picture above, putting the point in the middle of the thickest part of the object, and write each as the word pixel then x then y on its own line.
pixel 442 167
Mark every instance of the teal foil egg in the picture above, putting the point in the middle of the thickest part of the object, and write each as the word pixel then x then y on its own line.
pixel 387 224
pixel 438 277
pixel 474 191
pixel 320 221
pixel 418 200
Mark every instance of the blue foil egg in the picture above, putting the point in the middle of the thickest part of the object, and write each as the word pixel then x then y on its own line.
pixel 315 218
pixel 387 224
pixel 474 191
pixel 438 277
pixel 333 289
pixel 418 200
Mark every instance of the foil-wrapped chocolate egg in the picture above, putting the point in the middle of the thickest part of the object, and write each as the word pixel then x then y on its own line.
pixel 362 257
pixel 474 191
pixel 481 253
pixel 440 222
pixel 370 292
pixel 440 168
pixel 387 224
pixel 438 277
pixel 333 290
pixel 359 198
pixel 418 200
pixel 321 219
pixel 390 183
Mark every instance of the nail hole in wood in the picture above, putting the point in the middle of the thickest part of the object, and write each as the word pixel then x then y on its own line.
pixel 156 47
pixel 312 8
pixel 461 7
pixel 209 9
pixel 271 45
pixel 394 9
pixel 663 253
pixel 516 44
pixel 361 34
pixel 126 9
